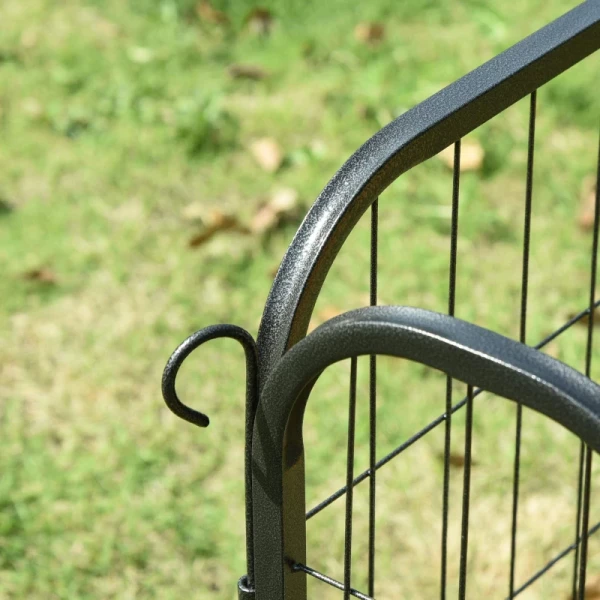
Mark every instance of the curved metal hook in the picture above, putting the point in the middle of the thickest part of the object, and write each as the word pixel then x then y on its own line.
pixel 186 348
pixel 196 417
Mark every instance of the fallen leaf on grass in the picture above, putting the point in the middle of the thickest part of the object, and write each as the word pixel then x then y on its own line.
pixel 208 13
pixel 587 206
pixel 457 459
pixel 369 33
pixel 267 153
pixel 283 203
pixel 41 275
pixel 264 219
pixel 217 222
pixel 471 156
pixel 252 72
pixel 260 21
pixel 284 200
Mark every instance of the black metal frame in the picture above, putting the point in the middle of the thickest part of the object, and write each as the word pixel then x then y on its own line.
pixel 412 138
pixel 284 364
pixel 464 351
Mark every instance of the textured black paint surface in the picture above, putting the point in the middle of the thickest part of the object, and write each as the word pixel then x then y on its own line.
pixel 411 139
pixel 463 350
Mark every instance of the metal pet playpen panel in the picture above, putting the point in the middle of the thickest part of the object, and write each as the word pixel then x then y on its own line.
pixel 285 362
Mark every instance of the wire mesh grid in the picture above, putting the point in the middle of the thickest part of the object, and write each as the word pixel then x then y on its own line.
pixel 578 549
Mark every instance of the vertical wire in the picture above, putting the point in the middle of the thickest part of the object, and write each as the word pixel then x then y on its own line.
pixel 349 479
pixel 585 522
pixel 464 537
pixel 522 336
pixel 373 403
pixel 448 413
pixel 578 518
pixel 588 369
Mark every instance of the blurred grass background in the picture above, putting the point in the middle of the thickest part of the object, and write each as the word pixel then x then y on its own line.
pixel 156 158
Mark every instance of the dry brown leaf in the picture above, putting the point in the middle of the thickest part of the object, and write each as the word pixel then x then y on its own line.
pixel 222 220
pixel 41 275
pixel 592 589
pixel 471 156
pixel 284 200
pixel 587 205
pixel 282 203
pixel 217 222
pixel 457 459
pixel 267 153
pixel 208 13
pixel 264 219
pixel 369 33
pixel 241 71
pixel 260 21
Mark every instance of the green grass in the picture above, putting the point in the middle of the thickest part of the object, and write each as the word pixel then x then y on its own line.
pixel 115 119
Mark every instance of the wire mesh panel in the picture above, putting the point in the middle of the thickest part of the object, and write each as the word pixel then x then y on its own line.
pixel 285 365
pixel 464 351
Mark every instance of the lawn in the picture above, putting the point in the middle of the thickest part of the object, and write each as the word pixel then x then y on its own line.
pixel 144 146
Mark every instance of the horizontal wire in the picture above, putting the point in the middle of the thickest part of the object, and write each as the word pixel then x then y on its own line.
pixel 329 580
pixel 417 436
pixel 340 586
pixel 558 557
